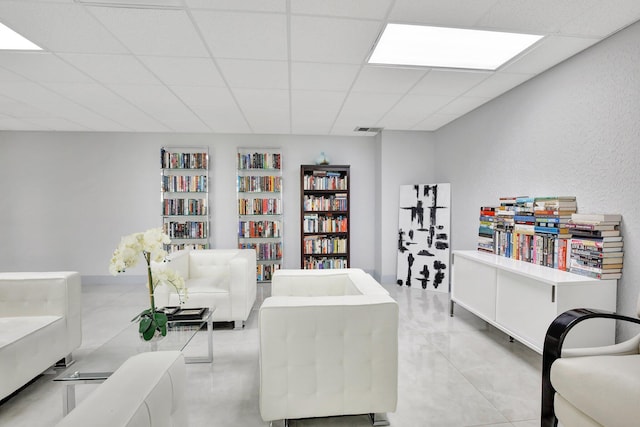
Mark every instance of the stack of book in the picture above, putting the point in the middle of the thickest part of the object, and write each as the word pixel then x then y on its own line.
pixel 503 226
pixel 523 228
pixel 485 231
pixel 596 245
pixel 552 214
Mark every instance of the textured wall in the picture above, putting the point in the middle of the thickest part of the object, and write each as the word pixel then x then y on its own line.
pixel 574 130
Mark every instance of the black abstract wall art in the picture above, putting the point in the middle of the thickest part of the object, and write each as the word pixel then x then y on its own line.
pixel 423 236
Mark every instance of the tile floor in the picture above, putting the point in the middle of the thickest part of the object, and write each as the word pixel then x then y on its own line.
pixel 452 371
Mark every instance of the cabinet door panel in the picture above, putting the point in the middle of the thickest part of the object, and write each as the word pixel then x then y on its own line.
pixel 474 287
pixel 525 306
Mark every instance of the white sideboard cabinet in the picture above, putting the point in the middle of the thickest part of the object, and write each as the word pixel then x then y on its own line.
pixel 522 299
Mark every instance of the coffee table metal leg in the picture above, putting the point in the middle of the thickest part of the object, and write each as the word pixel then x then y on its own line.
pixel 209 357
pixel 68 398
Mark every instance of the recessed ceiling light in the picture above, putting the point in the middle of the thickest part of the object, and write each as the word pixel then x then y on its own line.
pixel 419 45
pixel 10 40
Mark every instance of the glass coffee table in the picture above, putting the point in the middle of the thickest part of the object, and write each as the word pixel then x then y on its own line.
pixel 97 366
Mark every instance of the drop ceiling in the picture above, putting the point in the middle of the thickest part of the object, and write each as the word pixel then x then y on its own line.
pixel 266 66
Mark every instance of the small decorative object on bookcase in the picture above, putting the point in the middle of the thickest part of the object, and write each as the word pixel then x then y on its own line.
pixel 322 159
pixel 150 244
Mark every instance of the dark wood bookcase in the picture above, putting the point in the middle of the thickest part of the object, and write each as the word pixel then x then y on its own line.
pixel 324 216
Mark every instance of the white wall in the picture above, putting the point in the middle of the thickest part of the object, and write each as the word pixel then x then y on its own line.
pixel 404 158
pixel 574 130
pixel 67 198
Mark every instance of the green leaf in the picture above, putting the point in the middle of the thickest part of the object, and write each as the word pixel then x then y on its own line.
pixel 145 325
pixel 148 334
pixel 161 319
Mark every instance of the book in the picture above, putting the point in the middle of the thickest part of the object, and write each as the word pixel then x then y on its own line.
pixel 583 217
pixel 592 226
pixel 596 243
pixel 605 236
pixel 592 253
pixel 595 275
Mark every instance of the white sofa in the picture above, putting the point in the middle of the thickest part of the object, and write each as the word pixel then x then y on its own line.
pixel 40 324
pixel 328 345
pixel 148 390
pixel 220 278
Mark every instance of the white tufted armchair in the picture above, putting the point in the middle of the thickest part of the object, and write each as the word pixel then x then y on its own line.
pixel 328 346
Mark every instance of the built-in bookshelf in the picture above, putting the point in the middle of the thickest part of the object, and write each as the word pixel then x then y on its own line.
pixel 324 216
pixel 185 196
pixel 259 190
pixel 549 231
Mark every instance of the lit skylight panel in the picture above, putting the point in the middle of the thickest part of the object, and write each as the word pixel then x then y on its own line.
pixel 448 47
pixel 10 40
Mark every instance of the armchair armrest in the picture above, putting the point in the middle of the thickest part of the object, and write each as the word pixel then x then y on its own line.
pixel 552 350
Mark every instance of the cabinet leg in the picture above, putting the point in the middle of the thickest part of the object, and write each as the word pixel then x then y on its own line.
pixel 510 338
pixel 451 308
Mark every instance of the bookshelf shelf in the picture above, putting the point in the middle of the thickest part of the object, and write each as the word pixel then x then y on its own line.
pixel 324 216
pixel 184 196
pixel 259 193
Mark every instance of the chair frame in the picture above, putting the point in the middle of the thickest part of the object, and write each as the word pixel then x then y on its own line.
pixel 552 350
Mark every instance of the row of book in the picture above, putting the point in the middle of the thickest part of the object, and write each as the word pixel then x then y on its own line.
pixel 186 229
pixel 256 184
pixel 172 247
pixel 184 207
pixel 318 245
pixel 264 272
pixel 254 229
pixel 259 206
pixel 314 223
pixel 324 263
pixel 171 160
pixel 184 183
pixel 259 161
pixel 325 180
pixel 337 202
pixel 549 231
pixel 264 251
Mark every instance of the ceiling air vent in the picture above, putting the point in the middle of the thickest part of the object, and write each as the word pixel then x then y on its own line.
pixel 366 129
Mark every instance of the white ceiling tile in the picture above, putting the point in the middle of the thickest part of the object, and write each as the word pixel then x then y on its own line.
pixel 497 84
pixel 222 119
pixel 30 93
pixel 10 123
pixel 435 122
pixel 318 76
pixel 361 9
pixel 248 74
pixel 15 108
pixel 244 35
pixel 463 105
pixel 41 66
pixel 315 110
pixel 538 17
pixel 411 110
pixel 331 39
pixel 157 101
pixel 59 27
pixel 449 82
pixel 364 109
pixel 112 69
pixel 244 5
pixel 111 106
pixel 152 31
pixel 603 18
pixel 184 71
pixel 215 106
pixel 57 124
pixel 7 76
pixel 387 79
pixel 452 13
pixel 548 52
pixel 266 110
